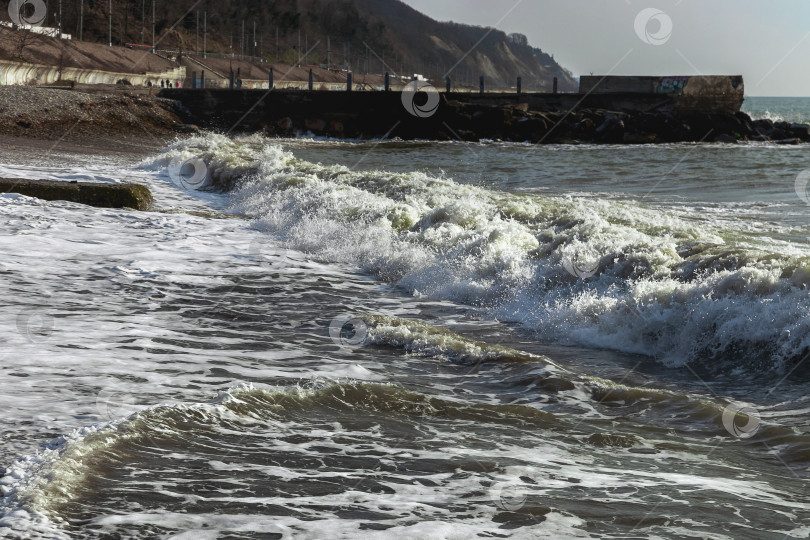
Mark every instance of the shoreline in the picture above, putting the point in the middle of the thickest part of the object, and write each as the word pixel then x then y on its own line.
pixel 116 119
pixel 117 122
pixel 129 146
pixel 113 120
pixel 100 295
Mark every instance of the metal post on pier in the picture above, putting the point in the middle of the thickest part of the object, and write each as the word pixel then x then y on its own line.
pixel 554 86
pixel 447 84
pixel 310 80
pixel 519 84
pixel 194 79
pixel 481 84
pixel 202 79
pixel 387 81
pixel 271 85
pixel 348 81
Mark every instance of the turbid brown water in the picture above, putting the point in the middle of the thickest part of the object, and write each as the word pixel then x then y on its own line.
pixel 411 340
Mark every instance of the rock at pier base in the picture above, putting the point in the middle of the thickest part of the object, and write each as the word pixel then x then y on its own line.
pixel 97 194
pixel 725 138
pixel 590 118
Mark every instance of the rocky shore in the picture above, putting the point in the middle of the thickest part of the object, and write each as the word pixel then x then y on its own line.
pixel 54 113
pixel 539 120
pixel 517 123
pixel 117 117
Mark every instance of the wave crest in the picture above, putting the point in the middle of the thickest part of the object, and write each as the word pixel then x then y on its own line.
pixel 578 270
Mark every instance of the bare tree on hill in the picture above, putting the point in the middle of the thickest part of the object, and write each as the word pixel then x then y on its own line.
pixel 16 41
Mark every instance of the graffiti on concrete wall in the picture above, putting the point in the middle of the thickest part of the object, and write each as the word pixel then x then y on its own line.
pixel 671 85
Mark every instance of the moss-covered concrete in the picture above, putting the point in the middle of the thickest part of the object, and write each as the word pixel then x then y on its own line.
pixel 97 194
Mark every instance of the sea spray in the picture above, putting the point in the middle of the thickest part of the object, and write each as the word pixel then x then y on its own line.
pixel 656 284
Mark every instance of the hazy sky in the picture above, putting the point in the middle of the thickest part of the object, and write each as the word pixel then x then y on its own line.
pixel 768 42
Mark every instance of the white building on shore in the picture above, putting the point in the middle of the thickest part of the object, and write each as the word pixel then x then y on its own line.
pixel 44 30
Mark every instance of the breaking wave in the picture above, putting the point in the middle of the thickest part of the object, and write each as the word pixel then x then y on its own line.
pixel 577 270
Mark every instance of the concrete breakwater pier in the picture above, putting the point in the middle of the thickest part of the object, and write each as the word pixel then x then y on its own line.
pixel 99 194
pixel 606 110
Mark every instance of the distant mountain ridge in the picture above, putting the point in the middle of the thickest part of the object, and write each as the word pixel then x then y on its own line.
pixel 363 35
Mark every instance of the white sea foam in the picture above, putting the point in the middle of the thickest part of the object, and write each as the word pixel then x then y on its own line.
pixel 23 505
pixel 544 469
pixel 663 286
pixel 34 486
pixel 434 237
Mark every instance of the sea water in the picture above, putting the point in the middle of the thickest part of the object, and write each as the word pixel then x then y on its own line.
pixel 410 340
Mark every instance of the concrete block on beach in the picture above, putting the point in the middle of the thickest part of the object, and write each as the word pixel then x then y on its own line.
pixel 96 194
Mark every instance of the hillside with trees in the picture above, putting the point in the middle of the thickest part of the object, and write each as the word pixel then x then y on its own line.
pixel 366 36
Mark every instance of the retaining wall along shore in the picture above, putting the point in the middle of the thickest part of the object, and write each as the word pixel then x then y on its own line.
pixel 645 110
pixel 18 73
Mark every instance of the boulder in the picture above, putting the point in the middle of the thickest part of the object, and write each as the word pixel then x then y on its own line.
pixel 315 124
pixel 639 138
pixel 490 121
pixel 611 130
pixel 763 125
pixel 285 124
pixel 586 124
pixel 725 138
pixel 802 131
pixel 788 141
pixel 336 128
pixel 533 129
